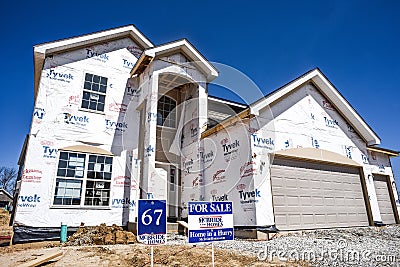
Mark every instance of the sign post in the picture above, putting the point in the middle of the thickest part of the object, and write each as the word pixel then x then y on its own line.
pixel 210 222
pixel 152 222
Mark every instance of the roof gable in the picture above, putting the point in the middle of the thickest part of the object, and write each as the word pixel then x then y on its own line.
pixel 333 96
pixel 180 46
pixel 42 50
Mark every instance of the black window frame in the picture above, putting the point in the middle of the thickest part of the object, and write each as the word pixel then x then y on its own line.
pixel 94 92
pixel 83 180
pixel 166 112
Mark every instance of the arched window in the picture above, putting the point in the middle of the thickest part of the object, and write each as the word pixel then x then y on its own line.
pixel 166 113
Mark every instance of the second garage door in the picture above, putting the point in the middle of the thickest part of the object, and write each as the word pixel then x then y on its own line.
pixel 384 201
pixel 312 195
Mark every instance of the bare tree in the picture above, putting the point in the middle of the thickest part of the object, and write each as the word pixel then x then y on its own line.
pixel 8 177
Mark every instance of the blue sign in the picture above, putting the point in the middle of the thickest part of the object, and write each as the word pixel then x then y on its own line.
pixel 210 221
pixel 152 221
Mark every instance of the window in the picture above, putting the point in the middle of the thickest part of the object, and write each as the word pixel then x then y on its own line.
pixel 94 92
pixel 166 113
pixel 83 180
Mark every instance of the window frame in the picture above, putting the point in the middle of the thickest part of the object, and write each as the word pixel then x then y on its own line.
pixel 84 180
pixel 174 109
pixel 83 90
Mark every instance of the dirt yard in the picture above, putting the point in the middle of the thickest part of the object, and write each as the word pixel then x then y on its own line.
pixel 131 255
pixel 112 246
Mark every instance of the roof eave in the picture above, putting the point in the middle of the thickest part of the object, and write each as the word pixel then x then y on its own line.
pixel 141 64
pixel 38 62
pixel 240 117
pixel 390 152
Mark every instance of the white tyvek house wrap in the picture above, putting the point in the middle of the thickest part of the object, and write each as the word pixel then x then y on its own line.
pixel 149 172
pixel 262 139
pixel 59 122
pixel 225 155
pixel 158 183
pixel 192 183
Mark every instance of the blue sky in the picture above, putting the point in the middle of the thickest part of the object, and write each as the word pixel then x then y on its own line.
pixel 355 43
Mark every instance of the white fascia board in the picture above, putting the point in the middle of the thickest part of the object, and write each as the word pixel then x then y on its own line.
pixel 332 94
pixel 190 51
pixel 90 38
pixel 226 102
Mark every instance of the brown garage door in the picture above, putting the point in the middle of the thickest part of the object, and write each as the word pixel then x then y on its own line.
pixel 384 201
pixel 312 195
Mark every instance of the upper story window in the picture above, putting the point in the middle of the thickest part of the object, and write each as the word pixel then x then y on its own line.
pixel 83 180
pixel 166 112
pixel 94 92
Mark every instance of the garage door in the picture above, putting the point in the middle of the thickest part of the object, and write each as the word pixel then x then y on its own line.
pixel 312 195
pixel 384 201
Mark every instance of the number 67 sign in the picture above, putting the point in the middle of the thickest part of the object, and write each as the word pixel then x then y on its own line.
pixel 152 221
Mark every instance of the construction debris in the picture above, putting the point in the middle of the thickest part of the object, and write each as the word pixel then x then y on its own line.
pixel 42 259
pixel 5 229
pixel 4 217
pixel 100 235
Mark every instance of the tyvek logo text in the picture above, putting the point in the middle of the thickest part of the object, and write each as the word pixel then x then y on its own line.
pixel 76 120
pixel 90 53
pixel 116 126
pixel 28 201
pixel 262 142
pixel 58 76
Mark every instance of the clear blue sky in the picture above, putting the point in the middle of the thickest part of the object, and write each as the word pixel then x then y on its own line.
pixel 355 43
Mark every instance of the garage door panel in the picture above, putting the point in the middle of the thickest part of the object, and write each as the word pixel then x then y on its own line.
pixel 329 200
pixel 308 219
pixel 306 201
pixel 333 197
pixel 331 218
pixel 294 219
pixel 320 218
pixel 292 200
pixel 318 201
pixel 279 200
pixel 340 201
pixel 280 220
pixel 291 183
pixel 329 194
pixel 304 184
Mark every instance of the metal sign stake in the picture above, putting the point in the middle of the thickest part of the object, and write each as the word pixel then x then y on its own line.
pixel 212 255
pixel 152 258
